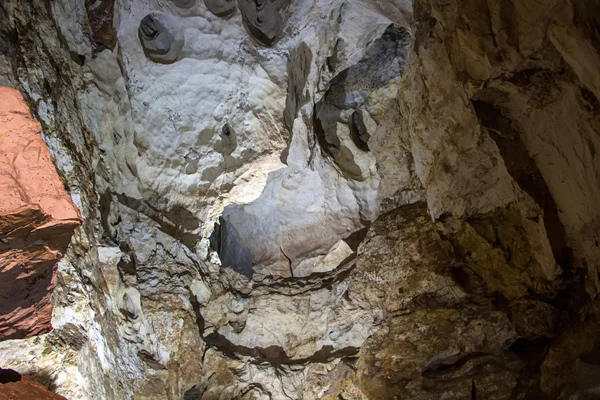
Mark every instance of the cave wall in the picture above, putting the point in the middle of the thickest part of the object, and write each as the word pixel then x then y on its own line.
pixel 37 221
pixel 503 117
pixel 317 199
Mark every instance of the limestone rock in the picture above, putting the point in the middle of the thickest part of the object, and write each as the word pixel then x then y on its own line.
pixel 263 19
pixel 201 291
pixel 318 199
pixel 184 3
pixel 221 8
pixel 160 37
pixel 491 89
pixel 431 329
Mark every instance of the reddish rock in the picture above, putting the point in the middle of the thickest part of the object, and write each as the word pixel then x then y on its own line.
pixel 37 220
pixel 14 386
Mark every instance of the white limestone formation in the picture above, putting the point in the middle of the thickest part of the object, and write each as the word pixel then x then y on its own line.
pixel 317 199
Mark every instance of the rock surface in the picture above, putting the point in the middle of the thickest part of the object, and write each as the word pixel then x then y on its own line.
pixel 355 199
pixel 13 386
pixel 37 220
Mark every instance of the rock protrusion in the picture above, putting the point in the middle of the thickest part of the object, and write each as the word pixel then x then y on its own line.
pixel 37 220
pixel 221 8
pixel 100 15
pixel 161 38
pixel 263 19
pixel 342 132
pixel 228 140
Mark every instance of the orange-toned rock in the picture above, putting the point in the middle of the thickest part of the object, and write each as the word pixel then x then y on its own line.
pixel 37 220
pixel 14 386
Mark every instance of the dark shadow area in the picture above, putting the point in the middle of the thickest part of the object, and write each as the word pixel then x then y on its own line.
pixel 177 222
pixel 43 379
pixel 358 131
pixel 9 375
pixel 194 393
pixel 356 238
pixel 527 175
pixel 275 355
pixel 225 240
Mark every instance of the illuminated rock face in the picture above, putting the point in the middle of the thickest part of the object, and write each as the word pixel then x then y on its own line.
pixel 318 199
pixel 37 220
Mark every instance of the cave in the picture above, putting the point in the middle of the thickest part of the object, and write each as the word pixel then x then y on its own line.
pixel 299 199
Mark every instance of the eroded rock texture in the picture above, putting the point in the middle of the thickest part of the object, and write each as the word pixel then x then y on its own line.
pixel 100 14
pixel 263 19
pixel 504 120
pixel 37 220
pixel 319 199
pixel 160 37
pixel 221 8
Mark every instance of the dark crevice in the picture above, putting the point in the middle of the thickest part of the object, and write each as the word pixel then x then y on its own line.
pixel 593 105
pixel 587 15
pixel 104 204
pixel 150 360
pixel 198 315
pixel 320 130
pixel 274 355
pixel 175 223
pixel 126 265
pixel 195 392
pixel 288 259
pixel 525 172
pixel 9 376
pixel 358 132
pixel 500 302
pixel 100 15
pixel 44 379
pixel 79 59
pixel 524 77
pixel 226 241
pixel 466 278
pixel 356 238
pixel 295 286
pixel 532 354
pixel 442 368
